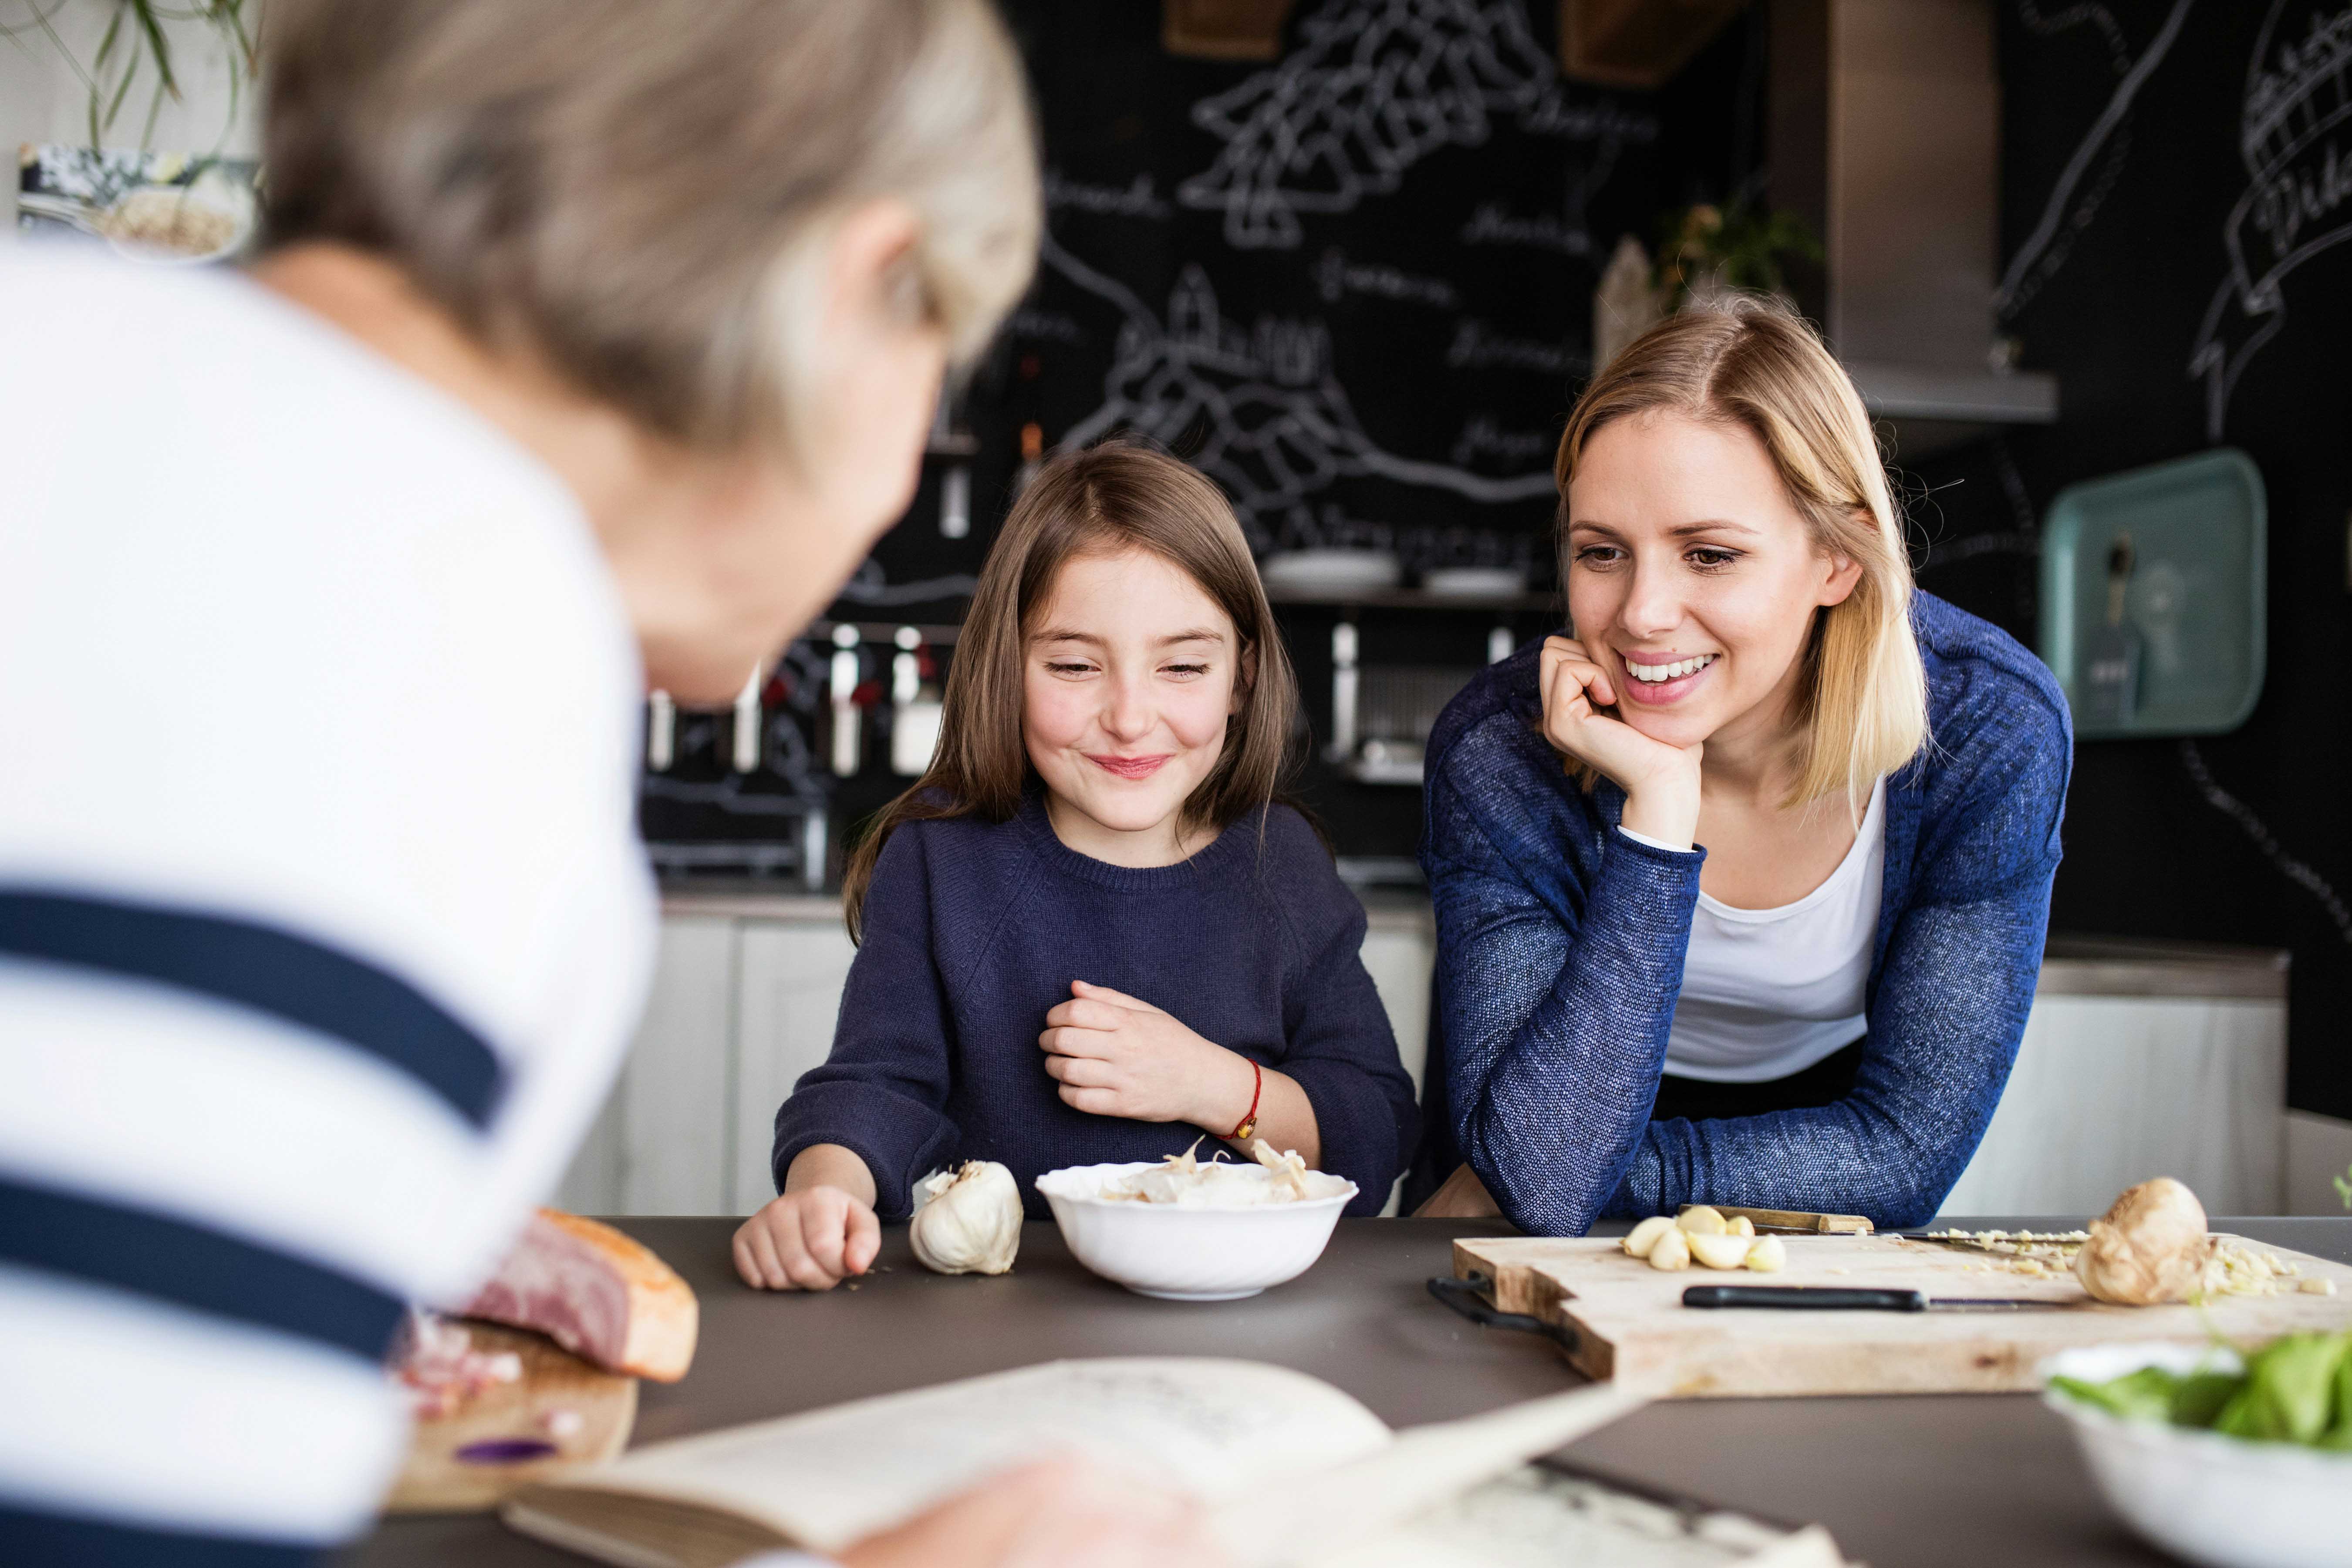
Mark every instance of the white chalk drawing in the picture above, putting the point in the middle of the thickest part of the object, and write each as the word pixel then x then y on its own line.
pixel 1275 425
pixel 2287 865
pixel 2298 155
pixel 1374 87
pixel 2045 250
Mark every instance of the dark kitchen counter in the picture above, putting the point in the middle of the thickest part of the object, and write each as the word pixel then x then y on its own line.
pixel 1898 1481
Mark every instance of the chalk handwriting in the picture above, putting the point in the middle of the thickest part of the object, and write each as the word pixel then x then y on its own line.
pixel 1337 276
pixel 1137 198
pixel 1482 438
pixel 1051 325
pixel 1374 87
pixel 1475 347
pixel 1494 223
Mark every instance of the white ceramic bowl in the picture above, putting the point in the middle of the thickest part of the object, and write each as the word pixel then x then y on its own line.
pixel 1181 1254
pixel 2222 1501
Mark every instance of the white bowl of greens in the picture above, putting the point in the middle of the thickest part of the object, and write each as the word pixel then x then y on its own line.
pixel 2230 1461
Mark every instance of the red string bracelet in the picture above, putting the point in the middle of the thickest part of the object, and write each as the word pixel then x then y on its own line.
pixel 1249 1123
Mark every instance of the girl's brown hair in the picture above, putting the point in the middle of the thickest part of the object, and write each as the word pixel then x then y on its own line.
pixel 1106 499
pixel 1752 364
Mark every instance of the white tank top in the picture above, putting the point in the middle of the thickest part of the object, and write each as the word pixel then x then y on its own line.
pixel 1767 993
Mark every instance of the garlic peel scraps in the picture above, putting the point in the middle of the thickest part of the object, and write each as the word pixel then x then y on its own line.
pixel 968 1221
pixel 1189 1182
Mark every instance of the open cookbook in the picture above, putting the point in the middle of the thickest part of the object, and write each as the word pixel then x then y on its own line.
pixel 1293 1472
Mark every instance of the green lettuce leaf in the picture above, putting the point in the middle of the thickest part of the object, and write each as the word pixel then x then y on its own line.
pixel 2290 1391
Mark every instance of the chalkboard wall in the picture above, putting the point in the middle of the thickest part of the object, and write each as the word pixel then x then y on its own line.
pixel 2176 176
pixel 1377 349
pixel 1384 352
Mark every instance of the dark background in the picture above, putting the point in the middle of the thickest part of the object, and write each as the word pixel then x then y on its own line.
pixel 1359 300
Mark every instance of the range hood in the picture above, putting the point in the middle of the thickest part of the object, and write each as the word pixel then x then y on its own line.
pixel 1886 137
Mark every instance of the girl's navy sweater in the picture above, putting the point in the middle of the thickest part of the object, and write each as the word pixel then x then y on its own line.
pixel 973 930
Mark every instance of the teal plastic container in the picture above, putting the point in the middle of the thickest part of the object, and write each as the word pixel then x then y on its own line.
pixel 2153 602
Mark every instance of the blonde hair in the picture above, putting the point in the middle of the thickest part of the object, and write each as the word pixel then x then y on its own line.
pixel 1104 501
pixel 638 190
pixel 1751 362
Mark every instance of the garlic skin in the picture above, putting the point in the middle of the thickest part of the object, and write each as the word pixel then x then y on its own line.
pixel 2150 1247
pixel 968 1222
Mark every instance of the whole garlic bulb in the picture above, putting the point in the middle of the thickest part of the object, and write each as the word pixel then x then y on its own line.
pixel 967 1222
pixel 2151 1247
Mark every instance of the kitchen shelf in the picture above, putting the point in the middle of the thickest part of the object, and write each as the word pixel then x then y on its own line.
pixel 1412 599
pixel 1977 397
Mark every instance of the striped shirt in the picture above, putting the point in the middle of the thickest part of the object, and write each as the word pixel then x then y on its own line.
pixel 322 920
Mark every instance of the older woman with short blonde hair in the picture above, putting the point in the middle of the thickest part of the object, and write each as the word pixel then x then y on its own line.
pixel 1741 885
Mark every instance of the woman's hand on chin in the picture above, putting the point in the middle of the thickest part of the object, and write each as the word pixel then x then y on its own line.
pixel 1660 781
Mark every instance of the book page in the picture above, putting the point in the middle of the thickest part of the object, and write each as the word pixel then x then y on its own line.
pixel 1537 1518
pixel 1303 1517
pixel 1203 1424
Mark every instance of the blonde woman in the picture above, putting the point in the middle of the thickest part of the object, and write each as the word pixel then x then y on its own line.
pixel 1740 887
pixel 592 344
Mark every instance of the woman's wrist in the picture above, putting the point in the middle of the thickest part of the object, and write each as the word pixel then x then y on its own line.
pixel 1664 812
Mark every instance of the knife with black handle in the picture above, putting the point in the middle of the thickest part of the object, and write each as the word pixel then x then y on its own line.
pixel 1848 1298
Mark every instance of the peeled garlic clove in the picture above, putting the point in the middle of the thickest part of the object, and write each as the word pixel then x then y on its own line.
pixel 968 1223
pixel 1768 1254
pixel 1725 1251
pixel 1702 1220
pixel 1742 1225
pixel 1670 1251
pixel 1646 1234
pixel 2151 1247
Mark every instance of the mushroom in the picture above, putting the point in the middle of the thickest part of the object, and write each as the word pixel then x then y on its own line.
pixel 2151 1247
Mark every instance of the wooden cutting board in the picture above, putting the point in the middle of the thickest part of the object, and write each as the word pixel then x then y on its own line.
pixel 467 1461
pixel 1628 1322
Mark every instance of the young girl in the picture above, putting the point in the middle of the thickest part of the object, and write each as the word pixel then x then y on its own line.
pixel 1088 933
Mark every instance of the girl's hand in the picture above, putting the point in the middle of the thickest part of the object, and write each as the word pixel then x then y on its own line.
pixel 1661 781
pixel 812 1239
pixel 1115 1055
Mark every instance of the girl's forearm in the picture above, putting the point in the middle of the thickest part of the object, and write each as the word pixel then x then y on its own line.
pixel 1286 1118
pixel 830 1165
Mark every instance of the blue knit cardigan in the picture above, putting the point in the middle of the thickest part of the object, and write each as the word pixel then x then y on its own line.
pixel 1560 945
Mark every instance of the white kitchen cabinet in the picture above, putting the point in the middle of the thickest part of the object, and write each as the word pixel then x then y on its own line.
pixel 2139 1059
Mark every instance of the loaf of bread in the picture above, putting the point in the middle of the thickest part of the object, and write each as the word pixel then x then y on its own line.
pixel 599 1294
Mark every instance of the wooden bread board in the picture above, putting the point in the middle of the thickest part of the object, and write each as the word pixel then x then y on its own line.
pixel 1626 1320
pixel 436 1479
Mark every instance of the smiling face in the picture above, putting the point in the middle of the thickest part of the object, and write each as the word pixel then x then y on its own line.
pixel 1691 578
pixel 1130 678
